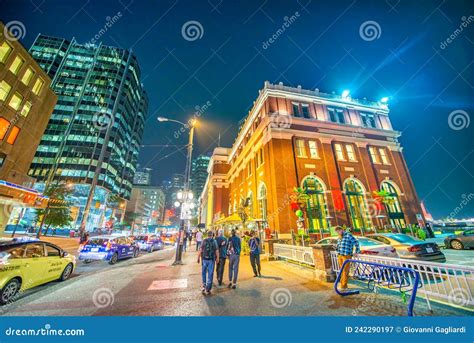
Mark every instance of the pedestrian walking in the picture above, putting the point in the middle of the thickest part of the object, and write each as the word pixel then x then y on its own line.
pixel 198 240
pixel 254 245
pixel 233 251
pixel 185 240
pixel 345 249
pixel 222 244
pixel 190 237
pixel 209 253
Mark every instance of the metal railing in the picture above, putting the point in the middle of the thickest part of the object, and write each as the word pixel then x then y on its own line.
pixel 294 253
pixel 447 283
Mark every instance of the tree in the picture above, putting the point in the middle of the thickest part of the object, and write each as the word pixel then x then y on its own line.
pixel 58 209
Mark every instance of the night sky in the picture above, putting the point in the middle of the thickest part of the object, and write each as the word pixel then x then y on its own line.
pixel 408 59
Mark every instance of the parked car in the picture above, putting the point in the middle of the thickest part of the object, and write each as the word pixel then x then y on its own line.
pixel 149 242
pixel 108 248
pixel 463 240
pixel 367 246
pixel 27 263
pixel 169 237
pixel 409 247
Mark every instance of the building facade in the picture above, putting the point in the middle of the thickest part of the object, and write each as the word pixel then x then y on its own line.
pixel 146 206
pixel 142 177
pixel 26 104
pixel 337 149
pixel 199 174
pixel 93 136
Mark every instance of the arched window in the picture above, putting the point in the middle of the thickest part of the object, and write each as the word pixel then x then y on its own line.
pixel 357 205
pixel 393 206
pixel 262 201
pixel 316 206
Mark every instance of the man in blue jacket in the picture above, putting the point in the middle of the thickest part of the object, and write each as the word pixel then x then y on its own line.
pixel 233 251
pixel 254 245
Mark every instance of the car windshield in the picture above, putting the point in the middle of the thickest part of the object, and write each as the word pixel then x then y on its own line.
pixel 368 242
pixel 405 239
pixel 97 241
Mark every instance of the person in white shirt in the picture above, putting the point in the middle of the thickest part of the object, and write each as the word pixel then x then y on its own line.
pixel 198 240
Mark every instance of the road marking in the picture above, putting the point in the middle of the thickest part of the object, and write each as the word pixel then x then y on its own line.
pixel 168 284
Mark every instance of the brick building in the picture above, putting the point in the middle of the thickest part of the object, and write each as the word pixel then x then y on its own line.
pixel 338 149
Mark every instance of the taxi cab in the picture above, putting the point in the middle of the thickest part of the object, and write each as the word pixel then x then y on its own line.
pixel 27 263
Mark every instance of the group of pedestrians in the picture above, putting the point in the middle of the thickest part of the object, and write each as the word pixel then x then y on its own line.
pixel 215 251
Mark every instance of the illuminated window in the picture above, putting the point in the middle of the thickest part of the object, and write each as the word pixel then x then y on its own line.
pixel 15 101
pixel 313 149
pixel 26 109
pixel 27 76
pixel 383 156
pixel 13 135
pixel 16 64
pixel 38 86
pixel 5 50
pixel 4 90
pixel 350 152
pixel 373 155
pixel 4 125
pixel 339 152
pixel 300 148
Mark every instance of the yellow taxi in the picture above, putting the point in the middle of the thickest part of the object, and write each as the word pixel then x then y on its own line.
pixel 27 263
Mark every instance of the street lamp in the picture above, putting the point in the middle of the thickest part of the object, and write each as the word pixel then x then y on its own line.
pixel 185 194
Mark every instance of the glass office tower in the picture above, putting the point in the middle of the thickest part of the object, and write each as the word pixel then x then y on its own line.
pixel 93 136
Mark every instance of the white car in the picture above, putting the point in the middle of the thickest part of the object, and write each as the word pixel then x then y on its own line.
pixel 368 246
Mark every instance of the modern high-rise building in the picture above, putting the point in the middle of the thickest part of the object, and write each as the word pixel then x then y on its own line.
pixel 146 206
pixel 342 152
pixel 93 136
pixel 199 174
pixel 26 103
pixel 142 177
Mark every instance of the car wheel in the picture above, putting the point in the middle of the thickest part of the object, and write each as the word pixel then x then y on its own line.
pixel 457 245
pixel 66 272
pixel 113 259
pixel 7 294
pixel 87 261
pixel 152 248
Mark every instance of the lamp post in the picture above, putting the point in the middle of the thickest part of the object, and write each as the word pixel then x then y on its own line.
pixel 187 195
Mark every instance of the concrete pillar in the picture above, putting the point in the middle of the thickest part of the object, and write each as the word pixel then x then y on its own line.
pixel 322 263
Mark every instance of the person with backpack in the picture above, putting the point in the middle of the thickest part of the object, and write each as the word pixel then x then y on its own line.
pixel 254 245
pixel 222 244
pixel 233 251
pixel 209 252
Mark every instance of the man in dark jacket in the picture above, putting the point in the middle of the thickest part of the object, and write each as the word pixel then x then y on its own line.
pixel 209 252
pixel 233 251
pixel 222 244
pixel 254 245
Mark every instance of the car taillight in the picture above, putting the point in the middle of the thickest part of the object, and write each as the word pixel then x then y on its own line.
pixel 369 252
pixel 414 249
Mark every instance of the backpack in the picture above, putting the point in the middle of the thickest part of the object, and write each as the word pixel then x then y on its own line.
pixel 208 249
